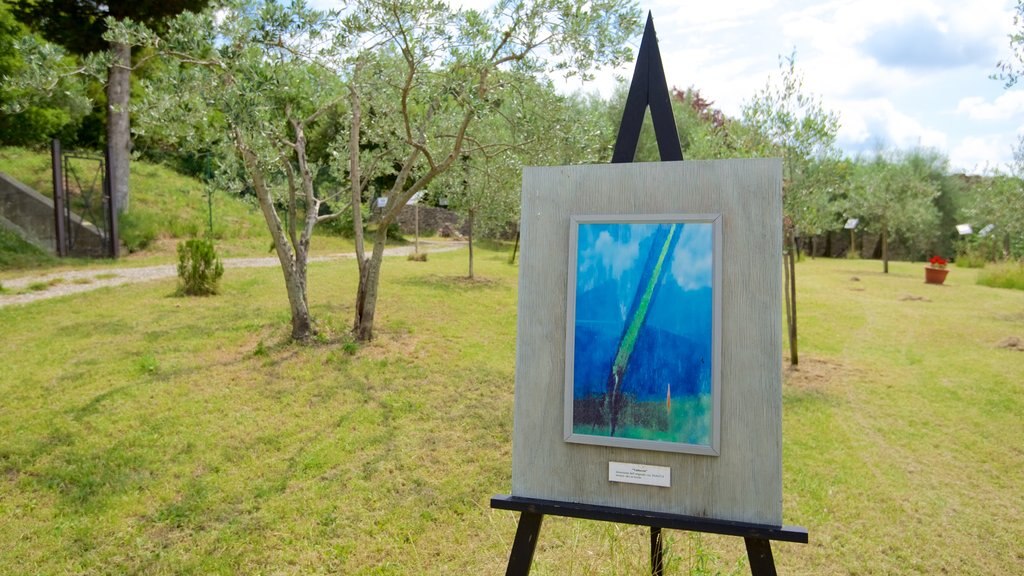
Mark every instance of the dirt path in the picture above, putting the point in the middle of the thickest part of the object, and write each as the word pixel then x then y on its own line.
pixel 54 284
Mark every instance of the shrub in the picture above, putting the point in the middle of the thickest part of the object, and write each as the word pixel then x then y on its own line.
pixel 395 232
pixel 418 256
pixel 970 259
pixel 343 225
pixel 1003 276
pixel 138 230
pixel 975 252
pixel 199 269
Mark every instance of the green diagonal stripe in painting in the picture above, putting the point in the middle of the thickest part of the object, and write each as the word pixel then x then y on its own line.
pixel 652 272
pixel 629 338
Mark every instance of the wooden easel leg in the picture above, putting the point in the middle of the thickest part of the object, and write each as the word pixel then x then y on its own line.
pixel 521 557
pixel 759 553
pixel 657 555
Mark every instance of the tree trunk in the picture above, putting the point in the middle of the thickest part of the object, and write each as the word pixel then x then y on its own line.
pixel 302 322
pixel 369 282
pixel 789 273
pixel 293 265
pixel 471 243
pixel 355 176
pixel 793 338
pixel 515 248
pixel 885 251
pixel 294 269
pixel 118 124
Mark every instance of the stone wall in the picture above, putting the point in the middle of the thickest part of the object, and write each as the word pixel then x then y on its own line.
pixel 30 215
pixel 431 221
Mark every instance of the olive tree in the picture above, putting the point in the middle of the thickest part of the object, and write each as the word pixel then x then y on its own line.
pixel 997 198
pixel 417 77
pixel 798 128
pixel 893 194
pixel 250 78
pixel 424 74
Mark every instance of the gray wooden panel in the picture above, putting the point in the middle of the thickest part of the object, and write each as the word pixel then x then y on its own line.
pixel 744 482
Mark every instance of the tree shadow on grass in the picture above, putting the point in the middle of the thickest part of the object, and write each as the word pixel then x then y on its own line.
pixel 462 284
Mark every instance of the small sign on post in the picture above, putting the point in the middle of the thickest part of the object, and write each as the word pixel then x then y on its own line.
pixel 851 225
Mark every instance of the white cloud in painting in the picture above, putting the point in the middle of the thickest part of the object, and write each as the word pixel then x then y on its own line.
pixel 615 257
pixel 620 253
pixel 692 262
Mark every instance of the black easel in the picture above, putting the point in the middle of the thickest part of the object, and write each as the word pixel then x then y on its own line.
pixel 648 88
pixel 757 537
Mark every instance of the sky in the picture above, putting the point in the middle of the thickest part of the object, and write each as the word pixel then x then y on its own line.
pixel 900 73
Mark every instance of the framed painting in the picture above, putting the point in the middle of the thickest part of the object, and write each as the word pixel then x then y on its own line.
pixel 643 331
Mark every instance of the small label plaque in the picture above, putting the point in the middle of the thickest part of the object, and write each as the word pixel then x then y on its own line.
pixel 640 474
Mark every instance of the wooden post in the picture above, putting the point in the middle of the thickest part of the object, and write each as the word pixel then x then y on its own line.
pixel 59 201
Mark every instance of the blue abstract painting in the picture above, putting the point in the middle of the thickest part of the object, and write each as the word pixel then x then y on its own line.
pixel 642 348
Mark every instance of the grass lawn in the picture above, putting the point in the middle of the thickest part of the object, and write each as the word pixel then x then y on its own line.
pixel 146 434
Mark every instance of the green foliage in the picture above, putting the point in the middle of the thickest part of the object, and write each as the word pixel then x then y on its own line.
pixel 796 126
pixel 975 251
pixel 80 25
pixel 970 259
pixel 997 199
pixel 394 232
pixel 139 229
pixel 893 195
pixel 1010 70
pixel 1007 275
pixel 38 100
pixel 16 253
pixel 199 268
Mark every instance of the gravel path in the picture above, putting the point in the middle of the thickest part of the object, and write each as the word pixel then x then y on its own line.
pixel 75 281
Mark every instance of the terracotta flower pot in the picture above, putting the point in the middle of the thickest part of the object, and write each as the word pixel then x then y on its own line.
pixel 934 275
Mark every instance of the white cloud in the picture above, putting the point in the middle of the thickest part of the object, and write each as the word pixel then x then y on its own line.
pixel 978 154
pixel 862 57
pixel 1004 107
pixel 616 256
pixel 878 119
pixel 692 261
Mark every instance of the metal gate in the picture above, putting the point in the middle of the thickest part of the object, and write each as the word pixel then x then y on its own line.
pixel 84 215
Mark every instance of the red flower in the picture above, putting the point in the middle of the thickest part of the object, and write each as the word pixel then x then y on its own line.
pixel 938 262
